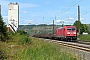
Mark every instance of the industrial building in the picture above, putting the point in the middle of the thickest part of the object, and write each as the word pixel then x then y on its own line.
pixel 13 16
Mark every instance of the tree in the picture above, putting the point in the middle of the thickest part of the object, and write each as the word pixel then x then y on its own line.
pixel 83 27
pixel 86 28
pixel 3 30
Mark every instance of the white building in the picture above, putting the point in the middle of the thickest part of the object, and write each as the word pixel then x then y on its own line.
pixel 13 15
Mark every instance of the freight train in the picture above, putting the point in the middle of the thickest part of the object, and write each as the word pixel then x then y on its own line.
pixel 67 33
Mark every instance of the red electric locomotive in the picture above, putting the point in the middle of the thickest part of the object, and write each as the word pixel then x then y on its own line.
pixel 67 33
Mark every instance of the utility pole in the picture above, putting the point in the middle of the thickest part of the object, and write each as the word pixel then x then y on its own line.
pixel 53 24
pixel 78 19
pixel 53 27
pixel 55 16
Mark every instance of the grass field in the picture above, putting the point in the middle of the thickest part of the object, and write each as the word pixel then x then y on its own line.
pixel 23 47
pixel 84 37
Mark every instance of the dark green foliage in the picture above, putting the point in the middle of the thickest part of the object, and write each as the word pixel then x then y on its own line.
pixel 21 32
pixel 2 55
pixel 83 27
pixel 21 36
pixel 3 30
pixel 25 40
pixel 86 28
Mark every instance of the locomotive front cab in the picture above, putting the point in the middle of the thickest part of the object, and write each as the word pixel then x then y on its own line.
pixel 71 33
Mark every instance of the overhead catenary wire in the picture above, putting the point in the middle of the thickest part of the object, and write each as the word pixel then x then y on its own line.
pixel 83 13
pixel 64 10
pixel 67 6
pixel 70 7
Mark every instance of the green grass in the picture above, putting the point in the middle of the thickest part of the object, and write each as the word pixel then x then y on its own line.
pixel 23 47
pixel 40 50
pixel 84 37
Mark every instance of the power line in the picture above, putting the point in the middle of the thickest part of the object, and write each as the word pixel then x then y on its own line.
pixel 69 7
pixel 83 13
pixel 64 8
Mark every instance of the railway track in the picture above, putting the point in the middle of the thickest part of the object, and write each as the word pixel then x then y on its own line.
pixel 80 49
pixel 83 42
pixel 76 45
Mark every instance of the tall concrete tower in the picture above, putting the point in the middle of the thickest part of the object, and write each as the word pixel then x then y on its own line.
pixel 13 15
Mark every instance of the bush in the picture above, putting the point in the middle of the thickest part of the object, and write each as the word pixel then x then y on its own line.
pixel 3 30
pixel 21 32
pixel 25 40
pixel 2 55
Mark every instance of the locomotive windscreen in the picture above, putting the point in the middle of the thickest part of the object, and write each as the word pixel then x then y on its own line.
pixel 71 29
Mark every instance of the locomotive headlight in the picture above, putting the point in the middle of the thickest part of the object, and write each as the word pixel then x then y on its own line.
pixel 68 32
pixel 74 33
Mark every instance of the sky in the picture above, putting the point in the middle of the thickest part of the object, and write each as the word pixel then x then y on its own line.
pixel 45 11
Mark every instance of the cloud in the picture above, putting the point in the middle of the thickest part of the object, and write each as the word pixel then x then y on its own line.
pixel 70 18
pixel 25 21
pixel 27 5
pixel 33 16
pixel 5 3
pixel 58 21
pixel 50 23
pixel 47 2
pixel 62 21
pixel 82 18
pixel 24 12
pixel 22 6
pixel 67 21
pixel 29 21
